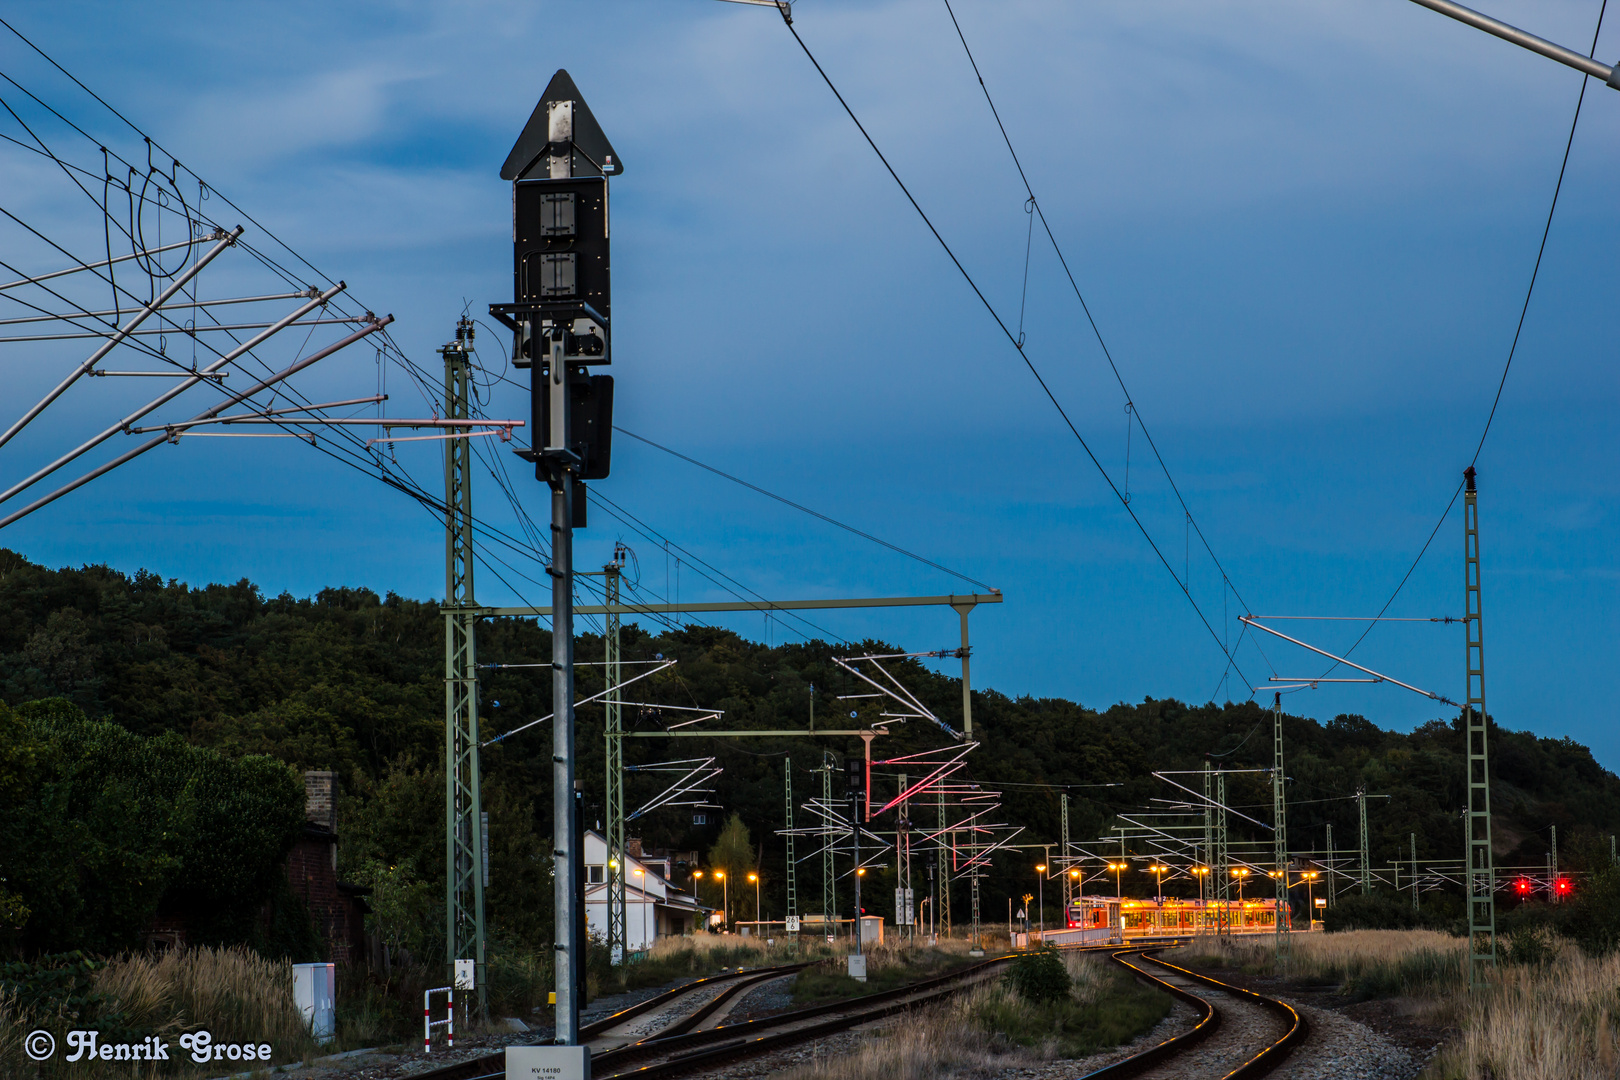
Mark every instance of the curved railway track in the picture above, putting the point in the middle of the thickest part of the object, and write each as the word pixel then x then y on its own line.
pixel 686 1047
pixel 1240 1035
pixel 608 1032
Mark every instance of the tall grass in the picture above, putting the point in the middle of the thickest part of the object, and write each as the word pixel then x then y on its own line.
pixel 235 993
pixel 1548 1011
pixel 989 1028
pixel 1368 963
pixel 1554 1021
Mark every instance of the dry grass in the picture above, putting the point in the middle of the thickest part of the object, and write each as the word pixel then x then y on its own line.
pixel 1558 1021
pixel 975 1035
pixel 236 994
pixel 1369 963
pixel 13 1027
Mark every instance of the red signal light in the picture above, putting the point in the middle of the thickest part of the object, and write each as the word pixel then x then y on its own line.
pixel 1523 886
pixel 1563 886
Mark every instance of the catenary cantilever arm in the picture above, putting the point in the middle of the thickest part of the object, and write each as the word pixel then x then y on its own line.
pixel 1586 64
pixel 235 399
pixel 223 241
pixel 1250 621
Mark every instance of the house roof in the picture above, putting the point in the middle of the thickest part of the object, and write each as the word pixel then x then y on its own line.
pixel 655 886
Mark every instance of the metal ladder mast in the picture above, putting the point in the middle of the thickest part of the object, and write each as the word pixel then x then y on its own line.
pixel 1366 864
pixel 1063 862
pixel 829 879
pixel 1481 859
pixel 613 734
pixel 1222 875
pixel 902 862
pixel 1279 815
pixel 975 945
pixel 1209 834
pixel 946 865
pixel 463 826
pixel 1333 885
pixel 792 865
pixel 1414 875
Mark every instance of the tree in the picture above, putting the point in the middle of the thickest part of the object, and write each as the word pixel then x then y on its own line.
pixel 733 855
pixel 109 828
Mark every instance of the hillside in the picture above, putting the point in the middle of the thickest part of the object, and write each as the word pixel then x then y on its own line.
pixel 353 682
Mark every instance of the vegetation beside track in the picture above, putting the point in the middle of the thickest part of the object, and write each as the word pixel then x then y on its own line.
pixel 992 1027
pixel 887 968
pixel 1548 1009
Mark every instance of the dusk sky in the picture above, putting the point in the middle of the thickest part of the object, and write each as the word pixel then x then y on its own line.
pixel 1305 232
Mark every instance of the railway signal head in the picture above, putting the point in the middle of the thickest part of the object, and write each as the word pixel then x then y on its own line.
pixel 1523 886
pixel 1563 886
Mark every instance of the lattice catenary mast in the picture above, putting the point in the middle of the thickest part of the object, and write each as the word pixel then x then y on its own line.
pixel 464 840
pixel 1481 859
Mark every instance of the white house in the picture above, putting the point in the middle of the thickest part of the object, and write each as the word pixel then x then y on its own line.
pixel 653 906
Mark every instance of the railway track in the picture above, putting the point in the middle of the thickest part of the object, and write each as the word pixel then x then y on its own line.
pixel 686 1046
pixel 1240 1035
pixel 620 1028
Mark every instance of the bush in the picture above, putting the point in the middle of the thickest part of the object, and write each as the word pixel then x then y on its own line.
pixel 153 825
pixel 1594 920
pixel 1040 976
pixel 1379 910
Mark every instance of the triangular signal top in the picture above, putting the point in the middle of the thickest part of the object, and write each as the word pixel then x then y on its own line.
pixel 593 154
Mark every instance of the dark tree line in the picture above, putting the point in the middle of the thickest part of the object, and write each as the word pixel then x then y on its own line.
pixel 351 681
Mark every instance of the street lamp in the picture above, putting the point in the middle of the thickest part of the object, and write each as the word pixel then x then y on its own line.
pixel 1118 868
pixel 1202 873
pixel 1160 869
pixel 725 904
pixel 1040 887
pixel 755 879
pixel 1240 872
pixel 1310 877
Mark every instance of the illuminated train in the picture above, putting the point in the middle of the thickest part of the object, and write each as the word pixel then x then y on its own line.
pixel 1172 915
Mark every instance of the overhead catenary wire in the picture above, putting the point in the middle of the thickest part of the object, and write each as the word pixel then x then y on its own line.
pixel 1133 412
pixel 1022 353
pixel 1513 348
pixel 804 509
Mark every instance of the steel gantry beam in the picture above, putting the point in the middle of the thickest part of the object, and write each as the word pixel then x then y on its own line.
pixel 464 828
pixel 962 605
pixel 1481 871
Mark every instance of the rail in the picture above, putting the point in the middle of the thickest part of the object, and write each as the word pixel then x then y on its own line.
pixel 1209 1022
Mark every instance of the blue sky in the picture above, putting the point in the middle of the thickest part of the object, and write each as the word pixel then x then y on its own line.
pixel 1305 232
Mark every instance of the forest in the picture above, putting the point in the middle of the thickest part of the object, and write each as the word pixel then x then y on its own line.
pixel 143 713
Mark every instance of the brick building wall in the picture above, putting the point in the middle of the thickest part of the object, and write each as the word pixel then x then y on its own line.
pixel 336 909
